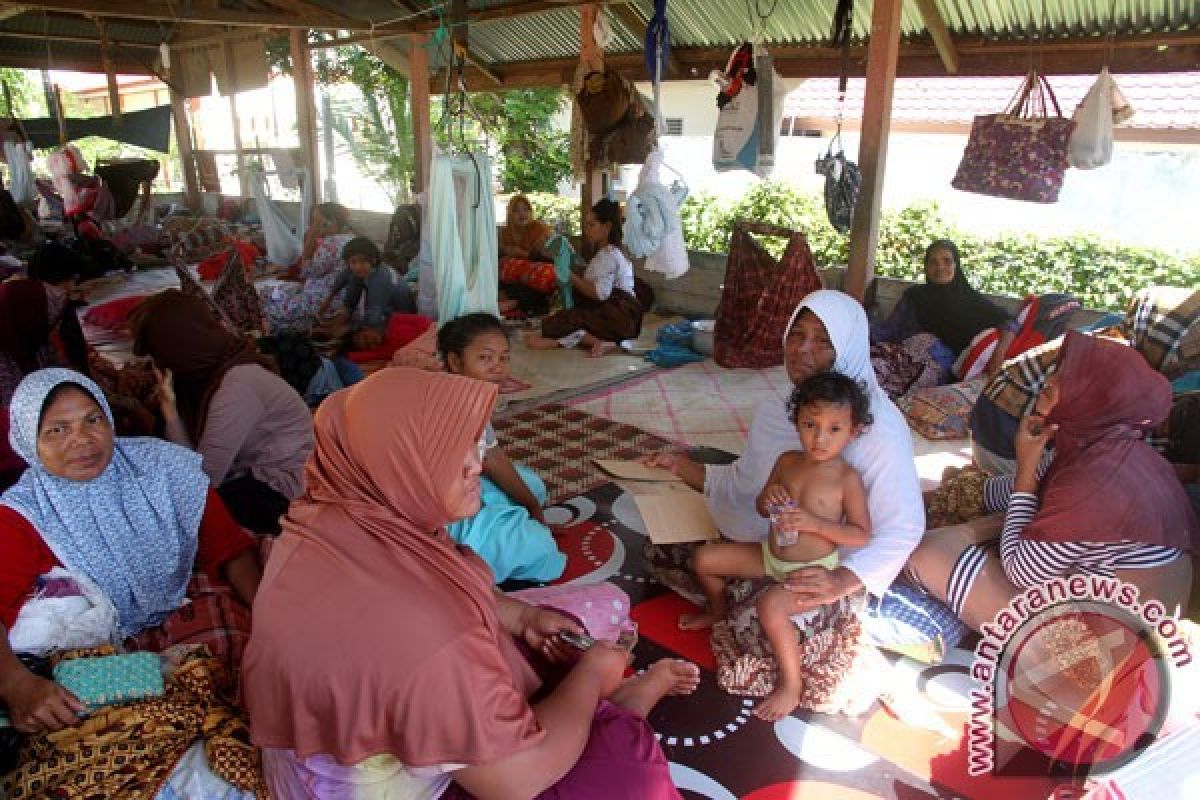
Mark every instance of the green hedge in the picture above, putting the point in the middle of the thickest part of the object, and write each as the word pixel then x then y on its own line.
pixel 1102 274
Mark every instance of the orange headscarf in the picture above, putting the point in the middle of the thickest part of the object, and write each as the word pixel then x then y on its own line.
pixel 532 236
pixel 373 632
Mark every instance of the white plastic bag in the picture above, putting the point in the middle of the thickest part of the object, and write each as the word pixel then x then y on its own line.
pixel 652 225
pixel 283 247
pixel 1090 145
pixel 746 126
pixel 20 170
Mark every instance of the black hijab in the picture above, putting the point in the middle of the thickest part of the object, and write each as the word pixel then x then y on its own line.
pixel 954 312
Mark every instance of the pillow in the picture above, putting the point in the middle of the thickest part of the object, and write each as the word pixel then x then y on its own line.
pixel 111 680
pixel 420 353
pixel 974 358
pixel 113 315
pixel 941 412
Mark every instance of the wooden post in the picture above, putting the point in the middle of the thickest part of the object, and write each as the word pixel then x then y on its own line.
pixel 231 72
pixel 306 110
pixel 418 86
pixel 882 53
pixel 595 184
pixel 183 138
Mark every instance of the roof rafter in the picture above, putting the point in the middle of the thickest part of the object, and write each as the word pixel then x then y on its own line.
pixel 940 33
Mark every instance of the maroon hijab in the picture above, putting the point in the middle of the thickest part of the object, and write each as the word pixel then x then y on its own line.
pixel 1106 484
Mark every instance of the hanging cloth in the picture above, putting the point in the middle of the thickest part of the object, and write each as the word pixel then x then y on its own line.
pixel 20 171
pixel 306 201
pixel 462 222
pixel 652 226
pixel 559 248
pixel 658 54
pixel 282 245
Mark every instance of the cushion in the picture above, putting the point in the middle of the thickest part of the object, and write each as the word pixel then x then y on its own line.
pixel 401 330
pixel 912 623
pixel 113 315
pixel 974 358
pixel 420 353
pixel 940 412
pixel 110 680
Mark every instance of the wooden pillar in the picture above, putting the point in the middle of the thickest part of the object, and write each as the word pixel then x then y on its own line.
pixel 231 72
pixel 306 110
pixel 595 183
pixel 183 138
pixel 882 53
pixel 418 86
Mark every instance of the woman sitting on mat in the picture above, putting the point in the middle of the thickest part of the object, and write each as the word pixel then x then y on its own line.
pixel 606 308
pixel 221 397
pixel 1107 505
pixel 383 661
pixel 949 308
pixel 134 517
pixel 523 236
pixel 293 306
pixel 509 532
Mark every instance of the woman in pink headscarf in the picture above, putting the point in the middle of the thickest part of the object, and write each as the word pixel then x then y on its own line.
pixel 384 663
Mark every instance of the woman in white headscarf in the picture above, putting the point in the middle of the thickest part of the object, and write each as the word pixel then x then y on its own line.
pixel 827 331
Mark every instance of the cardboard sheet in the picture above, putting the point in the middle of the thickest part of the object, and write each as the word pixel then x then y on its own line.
pixel 674 513
pixel 634 471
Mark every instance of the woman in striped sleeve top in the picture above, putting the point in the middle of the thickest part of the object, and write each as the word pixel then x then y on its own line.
pixel 1104 504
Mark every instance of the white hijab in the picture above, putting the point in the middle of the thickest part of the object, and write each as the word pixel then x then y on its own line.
pixel 883 455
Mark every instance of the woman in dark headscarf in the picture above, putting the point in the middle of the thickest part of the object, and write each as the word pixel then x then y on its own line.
pixel 950 309
pixel 221 397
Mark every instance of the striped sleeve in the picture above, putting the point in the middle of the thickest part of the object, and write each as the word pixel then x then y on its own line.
pixel 1029 563
pixel 999 488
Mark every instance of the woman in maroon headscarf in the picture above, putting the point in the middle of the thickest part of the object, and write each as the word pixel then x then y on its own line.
pixel 384 663
pixel 1107 505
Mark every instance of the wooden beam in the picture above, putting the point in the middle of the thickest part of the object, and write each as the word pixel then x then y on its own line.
pixel 940 34
pixel 882 54
pixel 418 59
pixel 512 11
pixel 66 37
pixel 392 53
pixel 306 109
pixel 197 13
pixel 9 10
pixel 241 34
pixel 595 182
pixel 125 64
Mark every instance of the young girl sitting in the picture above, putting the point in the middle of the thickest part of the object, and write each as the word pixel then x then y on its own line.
pixel 386 292
pixel 816 502
pixel 509 532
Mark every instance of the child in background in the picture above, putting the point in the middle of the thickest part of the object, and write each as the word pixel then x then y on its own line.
pixel 816 502
pixel 509 532
pixel 386 292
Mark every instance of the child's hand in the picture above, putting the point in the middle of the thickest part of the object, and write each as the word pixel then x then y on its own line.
pixel 798 520
pixel 776 495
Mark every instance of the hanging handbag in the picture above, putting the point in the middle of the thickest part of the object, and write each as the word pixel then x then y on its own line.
pixel 842 181
pixel 1020 154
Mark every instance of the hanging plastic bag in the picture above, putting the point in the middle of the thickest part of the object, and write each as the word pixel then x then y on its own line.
pixel 652 225
pixel 1090 146
pixel 283 247
pixel 738 140
pixel 842 181
pixel 20 171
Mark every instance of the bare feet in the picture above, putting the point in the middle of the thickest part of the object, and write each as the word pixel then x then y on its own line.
pixel 535 342
pixel 698 622
pixel 779 703
pixel 669 676
pixel 602 349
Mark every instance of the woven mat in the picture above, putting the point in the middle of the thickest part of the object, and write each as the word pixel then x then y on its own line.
pixel 559 443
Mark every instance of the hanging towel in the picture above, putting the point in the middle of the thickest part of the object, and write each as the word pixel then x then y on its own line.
pixel 282 245
pixel 462 223
pixel 652 226
pixel 20 172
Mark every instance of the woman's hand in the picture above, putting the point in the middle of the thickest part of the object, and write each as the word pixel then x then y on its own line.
pixel 668 461
pixel 606 663
pixel 1033 434
pixel 164 390
pixel 37 705
pixel 817 586
pixel 540 630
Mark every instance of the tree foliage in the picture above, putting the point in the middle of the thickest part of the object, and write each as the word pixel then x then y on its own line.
pixel 1102 274
pixel 534 155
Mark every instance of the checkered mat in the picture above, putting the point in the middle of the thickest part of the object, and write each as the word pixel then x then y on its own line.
pixel 559 443
pixel 717 750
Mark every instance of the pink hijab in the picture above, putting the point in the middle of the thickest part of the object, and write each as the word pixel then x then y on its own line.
pixel 373 632
pixel 1106 484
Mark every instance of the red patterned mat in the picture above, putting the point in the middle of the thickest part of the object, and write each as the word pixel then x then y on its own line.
pixel 719 751
pixel 559 443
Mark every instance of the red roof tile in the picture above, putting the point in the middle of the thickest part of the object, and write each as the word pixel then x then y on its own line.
pixel 1166 101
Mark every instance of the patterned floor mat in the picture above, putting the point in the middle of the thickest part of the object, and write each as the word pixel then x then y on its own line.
pixel 559 443
pixel 717 750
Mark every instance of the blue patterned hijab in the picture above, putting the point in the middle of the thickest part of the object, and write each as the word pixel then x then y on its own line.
pixel 133 529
